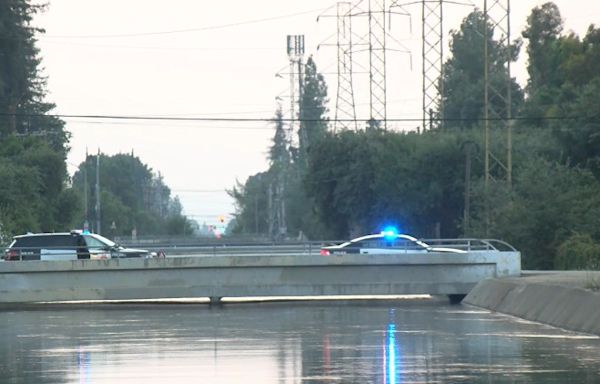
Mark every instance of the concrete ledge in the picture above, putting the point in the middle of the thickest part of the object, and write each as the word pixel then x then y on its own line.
pixel 243 276
pixel 558 299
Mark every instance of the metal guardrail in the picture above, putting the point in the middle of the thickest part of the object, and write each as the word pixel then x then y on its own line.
pixel 225 249
pixel 471 244
pixel 263 249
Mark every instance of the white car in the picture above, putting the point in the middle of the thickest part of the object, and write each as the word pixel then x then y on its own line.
pixel 386 242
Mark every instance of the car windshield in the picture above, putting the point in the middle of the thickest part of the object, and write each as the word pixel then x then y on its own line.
pixel 94 240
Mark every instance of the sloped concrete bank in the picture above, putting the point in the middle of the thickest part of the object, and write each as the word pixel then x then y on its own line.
pixel 561 299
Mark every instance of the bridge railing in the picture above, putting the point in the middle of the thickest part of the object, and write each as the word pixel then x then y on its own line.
pixel 296 248
pixel 471 245
pixel 308 248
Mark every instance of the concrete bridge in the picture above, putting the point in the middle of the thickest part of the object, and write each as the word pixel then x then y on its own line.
pixel 246 276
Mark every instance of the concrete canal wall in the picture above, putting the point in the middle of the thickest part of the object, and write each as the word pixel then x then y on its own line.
pixel 561 299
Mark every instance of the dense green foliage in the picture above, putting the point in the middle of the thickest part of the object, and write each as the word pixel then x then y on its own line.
pixel 356 182
pixel 463 80
pixel 33 194
pixel 131 197
pixel 578 252
pixel 34 189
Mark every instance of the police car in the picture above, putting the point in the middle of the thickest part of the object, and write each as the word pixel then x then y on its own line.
pixel 388 241
pixel 72 245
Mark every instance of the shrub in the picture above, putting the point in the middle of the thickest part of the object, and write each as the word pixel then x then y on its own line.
pixel 579 251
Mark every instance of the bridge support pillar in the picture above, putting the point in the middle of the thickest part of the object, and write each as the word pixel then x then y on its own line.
pixel 215 300
pixel 456 298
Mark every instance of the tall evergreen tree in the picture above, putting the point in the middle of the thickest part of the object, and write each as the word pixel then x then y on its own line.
pixel 257 199
pixel 279 153
pixel 22 88
pixel 544 27
pixel 313 110
pixel 33 143
pixel 463 80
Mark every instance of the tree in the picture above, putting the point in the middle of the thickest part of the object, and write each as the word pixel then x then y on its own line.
pixel 564 84
pixel 279 155
pixel 544 26
pixel 22 88
pixel 360 181
pixel 32 192
pixel 32 144
pixel 258 208
pixel 549 203
pixel 131 196
pixel 313 110
pixel 463 79
pixel 251 201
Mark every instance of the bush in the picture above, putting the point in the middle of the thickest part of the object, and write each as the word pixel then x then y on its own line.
pixel 579 251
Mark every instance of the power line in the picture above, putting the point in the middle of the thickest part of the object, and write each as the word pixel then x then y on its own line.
pixel 273 119
pixel 198 190
pixel 188 30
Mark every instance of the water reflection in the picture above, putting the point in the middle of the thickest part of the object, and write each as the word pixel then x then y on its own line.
pixel 390 363
pixel 323 342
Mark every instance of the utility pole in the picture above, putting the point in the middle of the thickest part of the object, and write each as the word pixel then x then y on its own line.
pixel 98 231
pixel 468 148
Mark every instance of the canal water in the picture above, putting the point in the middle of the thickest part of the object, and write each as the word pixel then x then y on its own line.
pixel 382 341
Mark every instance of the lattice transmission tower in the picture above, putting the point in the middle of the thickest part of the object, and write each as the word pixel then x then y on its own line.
pixel 374 42
pixel 497 15
pixel 432 34
pixel 345 108
pixel 377 60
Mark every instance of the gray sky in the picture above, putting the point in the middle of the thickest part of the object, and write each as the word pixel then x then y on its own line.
pixel 194 58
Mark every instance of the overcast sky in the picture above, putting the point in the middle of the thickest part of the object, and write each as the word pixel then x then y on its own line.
pixel 195 58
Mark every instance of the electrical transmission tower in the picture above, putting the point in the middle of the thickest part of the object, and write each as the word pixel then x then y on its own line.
pixel 432 29
pixel 345 109
pixel 497 15
pixel 375 42
pixel 377 58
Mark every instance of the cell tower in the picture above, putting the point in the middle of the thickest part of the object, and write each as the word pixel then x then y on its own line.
pixel 497 15
pixel 433 61
pixel 295 51
pixel 345 109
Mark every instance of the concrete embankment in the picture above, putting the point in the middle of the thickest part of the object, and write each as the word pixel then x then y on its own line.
pixel 562 299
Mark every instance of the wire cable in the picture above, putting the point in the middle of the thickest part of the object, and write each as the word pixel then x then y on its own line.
pixel 188 30
pixel 274 119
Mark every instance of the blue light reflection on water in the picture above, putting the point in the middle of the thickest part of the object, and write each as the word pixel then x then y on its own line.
pixel 391 358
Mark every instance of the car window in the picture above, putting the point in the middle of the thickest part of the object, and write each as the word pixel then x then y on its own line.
pixel 407 245
pixel 357 244
pixel 61 241
pixel 28 242
pixel 93 242
pixel 103 240
pixel 375 243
